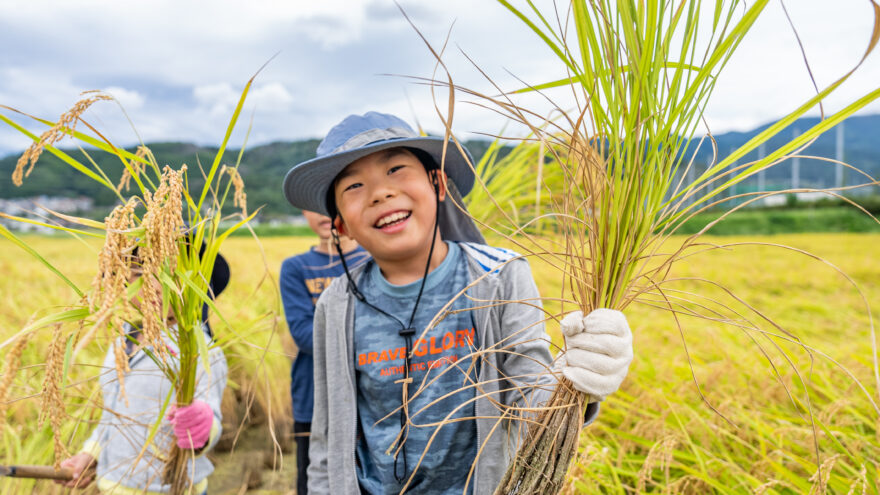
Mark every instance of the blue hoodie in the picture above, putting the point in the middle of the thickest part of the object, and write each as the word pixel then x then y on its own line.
pixel 303 278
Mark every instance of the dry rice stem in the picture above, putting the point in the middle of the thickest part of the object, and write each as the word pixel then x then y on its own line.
pixel 66 125
pixel 550 445
pixel 590 455
pixel 176 471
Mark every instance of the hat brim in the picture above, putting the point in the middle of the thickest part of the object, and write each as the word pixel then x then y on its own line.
pixel 306 185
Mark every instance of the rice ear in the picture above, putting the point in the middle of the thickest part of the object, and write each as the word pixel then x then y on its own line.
pixel 163 227
pixel 114 266
pixel 239 196
pixel 52 398
pixel 134 165
pixel 12 362
pixel 65 126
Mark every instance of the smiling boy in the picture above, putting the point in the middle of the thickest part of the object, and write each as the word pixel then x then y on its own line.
pixel 387 372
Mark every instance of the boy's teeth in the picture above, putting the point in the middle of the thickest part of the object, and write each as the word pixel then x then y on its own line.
pixel 391 218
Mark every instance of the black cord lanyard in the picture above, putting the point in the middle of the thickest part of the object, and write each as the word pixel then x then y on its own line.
pixel 406 331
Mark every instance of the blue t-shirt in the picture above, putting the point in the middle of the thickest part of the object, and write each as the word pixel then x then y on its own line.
pixel 303 278
pixel 441 356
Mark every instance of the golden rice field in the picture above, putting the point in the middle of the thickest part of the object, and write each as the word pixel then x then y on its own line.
pixel 777 399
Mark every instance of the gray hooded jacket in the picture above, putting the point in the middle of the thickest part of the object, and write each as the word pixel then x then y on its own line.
pixel 516 329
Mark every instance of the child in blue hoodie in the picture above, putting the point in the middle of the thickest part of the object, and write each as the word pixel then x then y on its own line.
pixel 303 278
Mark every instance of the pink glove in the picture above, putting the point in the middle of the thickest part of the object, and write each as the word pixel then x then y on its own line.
pixel 192 424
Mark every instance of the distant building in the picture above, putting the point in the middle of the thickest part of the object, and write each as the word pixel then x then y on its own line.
pixel 40 208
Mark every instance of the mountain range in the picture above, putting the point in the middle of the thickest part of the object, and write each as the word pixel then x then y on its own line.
pixel 263 167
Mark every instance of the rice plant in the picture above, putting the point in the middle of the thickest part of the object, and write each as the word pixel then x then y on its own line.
pixel 642 72
pixel 257 346
pixel 167 232
pixel 641 75
pixel 765 439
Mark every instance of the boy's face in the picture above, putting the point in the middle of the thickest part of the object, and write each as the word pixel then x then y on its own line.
pixel 386 202
pixel 320 224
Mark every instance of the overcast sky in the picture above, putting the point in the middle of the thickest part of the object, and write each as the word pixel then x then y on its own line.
pixel 179 67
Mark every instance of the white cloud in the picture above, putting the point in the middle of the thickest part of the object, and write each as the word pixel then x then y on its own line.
pixel 45 92
pixel 271 97
pixel 129 99
pixel 331 32
pixel 217 99
pixel 179 67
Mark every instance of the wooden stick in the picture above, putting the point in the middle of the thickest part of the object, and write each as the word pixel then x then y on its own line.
pixel 36 472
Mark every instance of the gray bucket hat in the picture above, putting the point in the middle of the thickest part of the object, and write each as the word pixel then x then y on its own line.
pixel 307 184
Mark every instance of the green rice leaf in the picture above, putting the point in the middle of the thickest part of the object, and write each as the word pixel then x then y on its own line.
pixel 66 316
pixel 18 242
pixel 572 80
pixel 222 237
pixel 203 351
pixel 219 156
pixel 202 294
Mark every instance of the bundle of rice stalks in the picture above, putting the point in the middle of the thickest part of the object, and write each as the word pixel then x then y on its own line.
pixel 641 74
pixel 167 235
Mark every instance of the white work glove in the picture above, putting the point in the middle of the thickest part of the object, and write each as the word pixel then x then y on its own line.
pixel 599 350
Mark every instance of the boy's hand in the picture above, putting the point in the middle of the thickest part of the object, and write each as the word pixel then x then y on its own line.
pixel 599 350
pixel 82 466
pixel 192 424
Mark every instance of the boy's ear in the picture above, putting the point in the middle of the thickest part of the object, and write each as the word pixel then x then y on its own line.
pixel 340 225
pixel 438 180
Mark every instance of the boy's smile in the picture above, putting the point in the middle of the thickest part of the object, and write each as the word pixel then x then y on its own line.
pixel 387 203
pixel 392 221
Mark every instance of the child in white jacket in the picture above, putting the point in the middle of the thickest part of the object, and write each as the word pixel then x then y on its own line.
pixel 116 448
